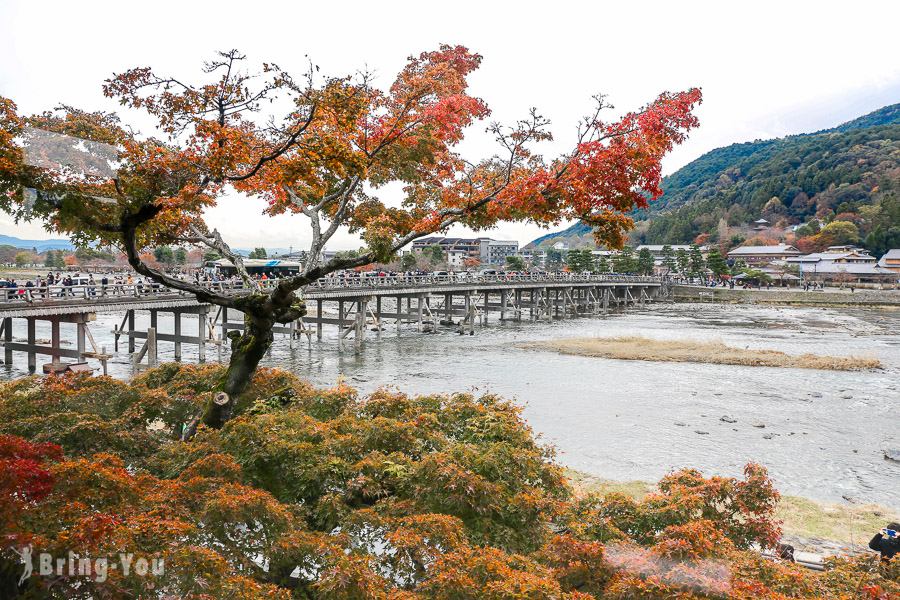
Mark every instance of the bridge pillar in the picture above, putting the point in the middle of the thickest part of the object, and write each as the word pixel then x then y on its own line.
pixel 421 310
pixel 32 356
pixel 319 317
pixel 177 315
pixel 7 338
pixel 54 342
pixel 201 333
pixel 504 297
pixel 378 318
pixel 341 332
pixel 79 338
pixel 360 325
pixel 130 329
pixel 224 335
pixel 487 296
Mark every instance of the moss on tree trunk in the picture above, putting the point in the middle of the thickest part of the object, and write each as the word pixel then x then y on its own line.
pixel 247 350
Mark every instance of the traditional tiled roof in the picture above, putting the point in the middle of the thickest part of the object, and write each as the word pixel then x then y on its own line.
pixel 893 254
pixel 777 250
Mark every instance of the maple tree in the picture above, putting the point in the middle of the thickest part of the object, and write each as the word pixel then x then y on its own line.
pixel 315 493
pixel 336 142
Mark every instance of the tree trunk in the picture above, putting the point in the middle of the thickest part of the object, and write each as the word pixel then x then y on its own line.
pixel 246 352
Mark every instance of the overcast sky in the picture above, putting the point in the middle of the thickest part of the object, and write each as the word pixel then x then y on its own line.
pixel 767 69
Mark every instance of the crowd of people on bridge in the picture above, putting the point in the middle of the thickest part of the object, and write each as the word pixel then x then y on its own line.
pixel 70 284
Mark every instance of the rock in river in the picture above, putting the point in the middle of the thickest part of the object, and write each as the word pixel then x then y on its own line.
pixel 893 455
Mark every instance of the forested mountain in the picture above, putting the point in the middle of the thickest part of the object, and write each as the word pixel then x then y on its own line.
pixel 849 173
pixel 573 235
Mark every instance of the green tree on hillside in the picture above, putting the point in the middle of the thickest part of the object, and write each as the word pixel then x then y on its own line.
pixel 55 259
pixel 601 265
pixel 435 254
pixel 838 233
pixel 515 263
pixel 739 266
pixel 408 261
pixel 24 258
pixel 668 259
pixel 716 262
pixel 579 261
pixel 164 255
pixel 696 262
pixel 624 261
pixel 180 256
pixel 645 262
pixel 259 253
pixel 756 276
pixel 554 260
pixel 683 260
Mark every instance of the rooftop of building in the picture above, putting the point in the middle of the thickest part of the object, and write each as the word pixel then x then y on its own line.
pixel 778 249
pixel 892 254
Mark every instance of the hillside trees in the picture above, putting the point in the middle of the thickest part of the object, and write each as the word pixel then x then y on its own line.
pixel 515 263
pixel 602 264
pixel 554 260
pixel 23 258
pixel 668 259
pixel 323 158
pixel 55 259
pixel 164 255
pixel 645 262
pixel 716 262
pixel 695 258
pixel 683 260
pixel 435 254
pixel 408 261
pixel 579 260
pixel 795 179
pixel 624 261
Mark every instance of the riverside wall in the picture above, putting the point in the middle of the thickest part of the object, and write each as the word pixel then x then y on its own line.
pixel 693 293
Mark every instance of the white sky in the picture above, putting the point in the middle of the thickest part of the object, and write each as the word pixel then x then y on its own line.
pixel 767 68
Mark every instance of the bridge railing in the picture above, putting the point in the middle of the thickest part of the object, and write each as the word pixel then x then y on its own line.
pixel 144 289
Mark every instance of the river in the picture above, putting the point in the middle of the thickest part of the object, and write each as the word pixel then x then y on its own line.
pixel 824 431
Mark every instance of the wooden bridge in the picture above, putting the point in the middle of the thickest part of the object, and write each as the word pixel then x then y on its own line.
pixel 354 305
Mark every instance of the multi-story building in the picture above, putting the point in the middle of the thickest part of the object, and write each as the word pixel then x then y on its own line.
pixel 836 254
pixel 838 263
pixel 458 250
pixel 498 250
pixel 891 260
pixel 761 255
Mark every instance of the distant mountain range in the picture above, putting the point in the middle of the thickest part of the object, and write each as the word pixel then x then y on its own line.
pixel 854 164
pixel 62 244
pixel 40 245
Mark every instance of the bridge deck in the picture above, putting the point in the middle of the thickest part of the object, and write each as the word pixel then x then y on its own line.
pixel 57 300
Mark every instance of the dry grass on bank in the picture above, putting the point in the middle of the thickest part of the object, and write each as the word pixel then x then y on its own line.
pixel 713 352
pixel 799 516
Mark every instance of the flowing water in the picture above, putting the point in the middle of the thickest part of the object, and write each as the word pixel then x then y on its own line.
pixel 824 432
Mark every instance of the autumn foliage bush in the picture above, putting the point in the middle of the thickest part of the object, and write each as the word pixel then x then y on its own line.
pixel 311 493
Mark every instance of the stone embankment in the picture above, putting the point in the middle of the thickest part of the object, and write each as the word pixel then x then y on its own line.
pixel 828 297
